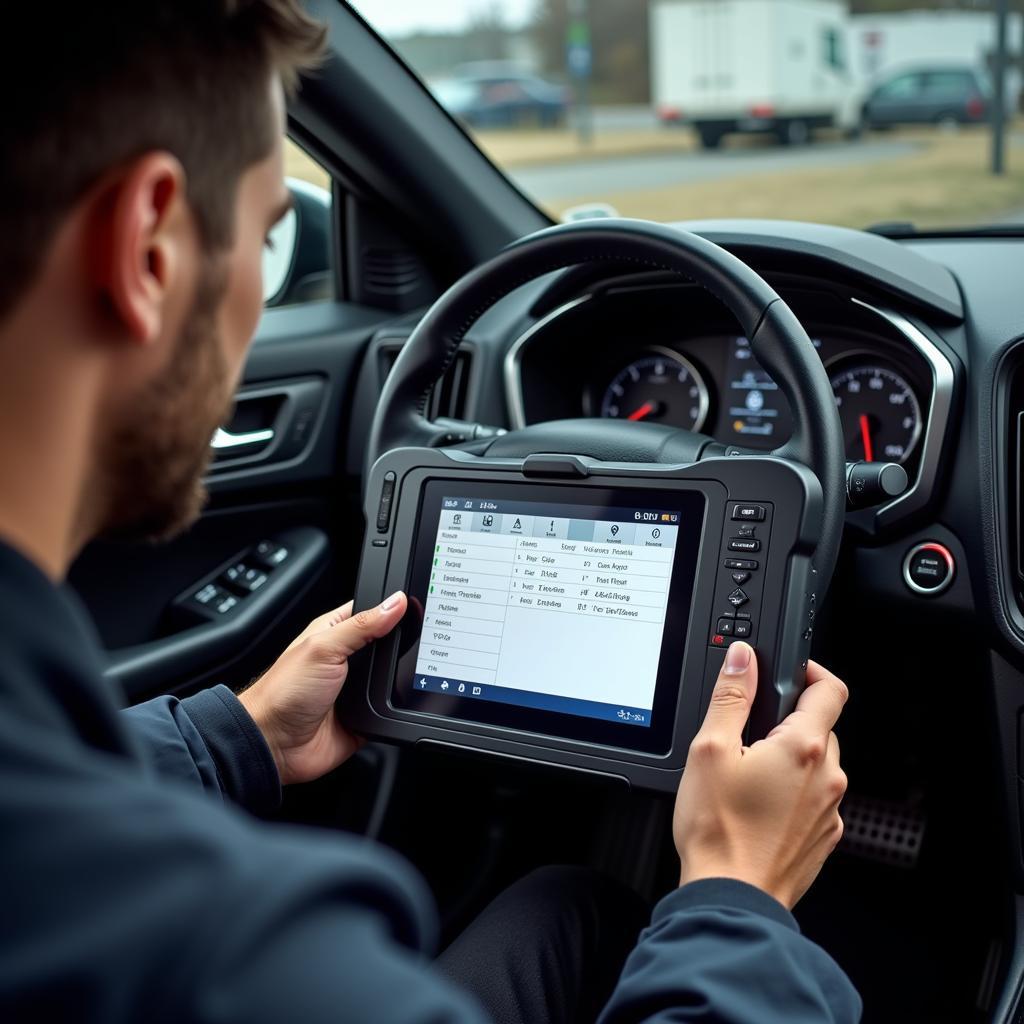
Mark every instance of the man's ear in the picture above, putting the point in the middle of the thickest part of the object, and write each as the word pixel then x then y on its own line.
pixel 146 222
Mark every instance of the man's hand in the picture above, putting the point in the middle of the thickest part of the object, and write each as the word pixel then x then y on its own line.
pixel 766 814
pixel 293 702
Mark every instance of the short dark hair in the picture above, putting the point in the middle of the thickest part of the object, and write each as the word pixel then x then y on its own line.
pixel 120 78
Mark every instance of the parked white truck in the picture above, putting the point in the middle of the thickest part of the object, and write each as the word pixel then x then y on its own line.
pixel 778 66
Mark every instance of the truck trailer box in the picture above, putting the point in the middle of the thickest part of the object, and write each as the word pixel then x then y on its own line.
pixel 753 66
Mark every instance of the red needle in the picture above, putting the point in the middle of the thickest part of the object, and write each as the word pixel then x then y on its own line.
pixel 645 410
pixel 865 436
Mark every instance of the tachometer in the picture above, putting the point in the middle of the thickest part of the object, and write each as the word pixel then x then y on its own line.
pixel 660 387
pixel 880 414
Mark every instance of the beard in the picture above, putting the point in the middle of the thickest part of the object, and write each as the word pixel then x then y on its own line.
pixel 157 456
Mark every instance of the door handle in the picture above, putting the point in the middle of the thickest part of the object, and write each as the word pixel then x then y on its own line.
pixel 224 440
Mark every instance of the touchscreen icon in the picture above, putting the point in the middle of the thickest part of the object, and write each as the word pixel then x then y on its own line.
pixel 423 684
pixel 476 691
pixel 615 531
pixel 457 519
pixel 444 685
pixel 462 687
pixel 488 520
pixel 517 525
pixel 655 533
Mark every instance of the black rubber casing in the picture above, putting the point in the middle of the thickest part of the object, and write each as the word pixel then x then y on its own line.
pixel 786 597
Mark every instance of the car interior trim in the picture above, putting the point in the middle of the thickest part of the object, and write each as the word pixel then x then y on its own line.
pixel 939 408
pixel 513 361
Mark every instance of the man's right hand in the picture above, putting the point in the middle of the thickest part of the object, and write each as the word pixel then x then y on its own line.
pixel 767 814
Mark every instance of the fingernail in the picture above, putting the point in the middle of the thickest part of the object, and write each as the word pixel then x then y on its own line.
pixel 390 603
pixel 737 659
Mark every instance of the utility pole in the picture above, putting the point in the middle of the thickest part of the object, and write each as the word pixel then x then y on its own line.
pixel 999 90
pixel 579 58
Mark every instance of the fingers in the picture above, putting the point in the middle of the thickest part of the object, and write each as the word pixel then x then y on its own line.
pixel 821 702
pixel 832 755
pixel 730 701
pixel 355 631
pixel 322 622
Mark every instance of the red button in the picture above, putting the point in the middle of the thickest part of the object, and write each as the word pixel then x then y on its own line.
pixel 718 640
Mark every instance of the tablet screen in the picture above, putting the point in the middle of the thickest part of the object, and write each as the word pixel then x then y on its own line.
pixel 554 609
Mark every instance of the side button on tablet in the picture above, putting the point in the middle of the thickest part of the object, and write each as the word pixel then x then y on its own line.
pixel 387 497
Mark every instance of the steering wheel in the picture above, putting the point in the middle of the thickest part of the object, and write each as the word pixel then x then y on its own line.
pixel 777 340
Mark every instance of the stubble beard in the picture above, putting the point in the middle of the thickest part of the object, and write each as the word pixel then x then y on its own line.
pixel 157 457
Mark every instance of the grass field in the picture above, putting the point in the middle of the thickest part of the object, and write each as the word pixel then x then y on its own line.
pixel 518 148
pixel 945 182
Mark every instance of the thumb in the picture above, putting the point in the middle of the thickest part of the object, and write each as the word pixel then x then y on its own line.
pixel 340 639
pixel 733 694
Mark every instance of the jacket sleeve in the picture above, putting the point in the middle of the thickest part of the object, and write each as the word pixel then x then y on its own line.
pixel 209 741
pixel 132 900
pixel 722 951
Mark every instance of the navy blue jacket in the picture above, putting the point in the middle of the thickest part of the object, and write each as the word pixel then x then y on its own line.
pixel 136 887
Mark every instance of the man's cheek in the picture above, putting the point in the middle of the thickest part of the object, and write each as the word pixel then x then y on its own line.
pixel 242 309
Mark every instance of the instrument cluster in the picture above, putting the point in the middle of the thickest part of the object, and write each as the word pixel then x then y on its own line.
pixel 879 407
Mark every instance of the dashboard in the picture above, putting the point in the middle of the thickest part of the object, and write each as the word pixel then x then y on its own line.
pixel 923 341
pixel 657 350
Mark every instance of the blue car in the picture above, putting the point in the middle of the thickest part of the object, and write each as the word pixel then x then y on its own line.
pixel 503 100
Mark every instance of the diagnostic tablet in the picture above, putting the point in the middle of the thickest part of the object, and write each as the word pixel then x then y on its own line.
pixel 552 612
pixel 575 612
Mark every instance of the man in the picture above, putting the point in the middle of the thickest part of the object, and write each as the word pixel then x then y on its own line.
pixel 142 173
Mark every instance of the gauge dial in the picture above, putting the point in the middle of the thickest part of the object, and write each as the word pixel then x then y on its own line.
pixel 659 387
pixel 880 414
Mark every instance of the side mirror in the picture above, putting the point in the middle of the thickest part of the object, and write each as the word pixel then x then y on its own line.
pixel 297 263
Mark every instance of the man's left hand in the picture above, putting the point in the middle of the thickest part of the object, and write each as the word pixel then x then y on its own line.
pixel 293 701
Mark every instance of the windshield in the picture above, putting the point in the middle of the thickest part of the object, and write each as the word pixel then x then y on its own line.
pixel 867 113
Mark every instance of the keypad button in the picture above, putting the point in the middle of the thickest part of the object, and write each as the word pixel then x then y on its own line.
pixel 741 563
pixel 739 578
pixel 744 544
pixel 742 628
pixel 725 626
pixel 737 598
pixel 748 513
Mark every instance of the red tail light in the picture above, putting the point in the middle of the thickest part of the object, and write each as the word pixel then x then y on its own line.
pixel 667 113
pixel 762 110
pixel 976 107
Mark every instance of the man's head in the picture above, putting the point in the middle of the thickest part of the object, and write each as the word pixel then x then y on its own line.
pixel 141 172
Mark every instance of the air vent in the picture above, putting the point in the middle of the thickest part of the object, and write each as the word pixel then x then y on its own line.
pixel 450 395
pixel 390 272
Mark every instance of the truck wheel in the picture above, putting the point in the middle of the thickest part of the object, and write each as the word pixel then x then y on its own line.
pixel 795 133
pixel 710 138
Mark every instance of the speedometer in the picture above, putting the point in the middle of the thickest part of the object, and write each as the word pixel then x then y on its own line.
pixel 660 387
pixel 880 414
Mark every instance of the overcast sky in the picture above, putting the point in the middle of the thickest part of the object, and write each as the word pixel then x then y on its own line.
pixel 399 17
